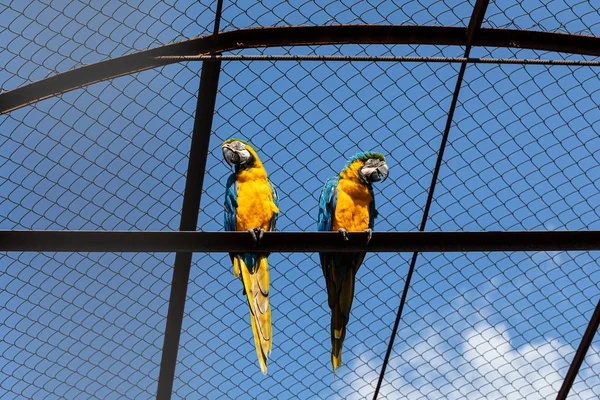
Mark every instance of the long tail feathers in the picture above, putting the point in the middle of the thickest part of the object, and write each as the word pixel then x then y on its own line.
pixel 340 314
pixel 256 285
pixel 338 333
pixel 236 266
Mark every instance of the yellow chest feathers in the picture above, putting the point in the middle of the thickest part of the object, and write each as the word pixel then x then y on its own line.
pixel 353 202
pixel 255 200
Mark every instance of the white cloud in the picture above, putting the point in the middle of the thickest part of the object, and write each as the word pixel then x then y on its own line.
pixel 483 366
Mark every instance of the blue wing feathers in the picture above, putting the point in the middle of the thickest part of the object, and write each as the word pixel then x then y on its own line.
pixel 327 203
pixel 231 204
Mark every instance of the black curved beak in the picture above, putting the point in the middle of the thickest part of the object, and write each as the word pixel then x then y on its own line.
pixel 230 156
pixel 382 172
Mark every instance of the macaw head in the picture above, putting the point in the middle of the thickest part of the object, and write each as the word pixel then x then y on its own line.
pixel 369 167
pixel 239 153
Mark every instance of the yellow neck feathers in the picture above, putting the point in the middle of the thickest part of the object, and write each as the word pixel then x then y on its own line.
pixel 351 172
pixel 257 171
pixel 351 183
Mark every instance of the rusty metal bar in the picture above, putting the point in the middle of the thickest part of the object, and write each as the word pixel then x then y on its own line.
pixel 294 36
pixel 407 59
pixel 291 242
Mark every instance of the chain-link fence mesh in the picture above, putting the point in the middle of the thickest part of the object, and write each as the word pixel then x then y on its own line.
pixel 237 14
pixel 522 154
pixel 42 38
pixel 80 325
pixel 576 17
pixel 112 156
pixel 109 156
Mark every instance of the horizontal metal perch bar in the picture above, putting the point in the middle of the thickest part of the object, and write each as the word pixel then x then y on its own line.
pixel 415 59
pixel 128 241
pixel 294 36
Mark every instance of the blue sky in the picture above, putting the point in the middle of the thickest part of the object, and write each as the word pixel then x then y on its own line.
pixel 523 154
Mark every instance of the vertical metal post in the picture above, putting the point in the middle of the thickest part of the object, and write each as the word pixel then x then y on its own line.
pixel 189 218
pixel 205 107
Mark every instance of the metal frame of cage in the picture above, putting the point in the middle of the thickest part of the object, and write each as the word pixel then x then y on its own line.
pixel 209 49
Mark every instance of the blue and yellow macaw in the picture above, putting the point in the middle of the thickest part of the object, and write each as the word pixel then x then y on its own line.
pixel 251 205
pixel 347 204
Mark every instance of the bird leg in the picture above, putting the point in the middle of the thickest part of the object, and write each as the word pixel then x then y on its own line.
pixel 257 235
pixel 344 234
pixel 369 232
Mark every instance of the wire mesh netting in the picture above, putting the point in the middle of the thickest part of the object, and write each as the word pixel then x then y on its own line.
pixel 495 325
pixel 507 322
pixel 82 325
pixel 237 14
pixel 42 38
pixel 522 155
pixel 109 156
pixel 100 158
pixel 576 17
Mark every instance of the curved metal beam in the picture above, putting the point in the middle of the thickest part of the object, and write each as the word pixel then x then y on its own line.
pixel 293 36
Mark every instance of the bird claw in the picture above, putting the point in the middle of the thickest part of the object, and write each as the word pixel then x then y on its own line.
pixel 260 232
pixel 253 234
pixel 369 232
pixel 257 235
pixel 344 234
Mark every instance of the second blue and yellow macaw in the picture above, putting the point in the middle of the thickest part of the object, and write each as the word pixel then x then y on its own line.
pixel 347 204
pixel 251 205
